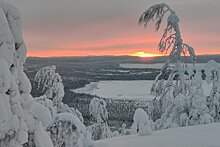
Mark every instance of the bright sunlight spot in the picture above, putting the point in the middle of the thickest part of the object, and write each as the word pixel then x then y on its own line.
pixel 143 54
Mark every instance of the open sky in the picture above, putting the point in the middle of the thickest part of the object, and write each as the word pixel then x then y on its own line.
pixel 109 27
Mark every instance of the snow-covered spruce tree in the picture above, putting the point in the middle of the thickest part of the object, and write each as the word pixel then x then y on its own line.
pixel 177 85
pixel 66 130
pixel 212 72
pixel 50 82
pixel 21 119
pixel 142 122
pixel 100 129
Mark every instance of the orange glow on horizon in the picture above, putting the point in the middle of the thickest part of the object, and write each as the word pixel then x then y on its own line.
pixel 68 53
pixel 115 52
pixel 143 54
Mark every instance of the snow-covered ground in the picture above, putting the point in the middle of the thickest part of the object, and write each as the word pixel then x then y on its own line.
pixel 194 136
pixel 138 89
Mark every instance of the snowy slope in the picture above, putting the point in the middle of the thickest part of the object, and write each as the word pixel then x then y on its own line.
pixel 194 136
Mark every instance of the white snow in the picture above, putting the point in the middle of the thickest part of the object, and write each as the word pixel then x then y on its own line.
pixel 39 112
pixel 41 138
pixel 193 136
pixel 141 120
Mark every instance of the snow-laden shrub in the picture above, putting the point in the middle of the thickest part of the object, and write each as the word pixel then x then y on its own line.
pixel 141 120
pixel 68 131
pixel 20 117
pixel 100 129
pixel 158 124
pixel 212 72
pixel 115 134
pixel 206 119
pixel 49 81
pixel 154 109
pixel 97 108
pixel 184 120
pixel 198 107
pixel 65 108
pixel 123 129
pixel 172 115
pixel 191 109
pixel 133 129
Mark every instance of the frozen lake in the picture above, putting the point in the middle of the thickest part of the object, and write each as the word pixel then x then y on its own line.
pixel 141 66
pixel 138 89
pixel 198 66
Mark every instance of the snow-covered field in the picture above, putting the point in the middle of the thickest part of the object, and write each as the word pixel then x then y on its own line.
pixel 138 89
pixel 194 136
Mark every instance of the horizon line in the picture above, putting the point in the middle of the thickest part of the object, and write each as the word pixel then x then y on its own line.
pixel 111 56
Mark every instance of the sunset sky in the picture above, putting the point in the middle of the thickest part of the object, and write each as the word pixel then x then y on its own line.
pixel 109 27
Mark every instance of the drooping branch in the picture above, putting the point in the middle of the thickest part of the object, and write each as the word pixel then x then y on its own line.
pixel 156 12
pixel 166 42
pixel 190 50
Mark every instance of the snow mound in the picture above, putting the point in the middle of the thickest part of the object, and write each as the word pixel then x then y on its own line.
pixel 141 120
pixel 194 136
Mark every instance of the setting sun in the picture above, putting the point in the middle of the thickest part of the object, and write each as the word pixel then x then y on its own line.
pixel 143 54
